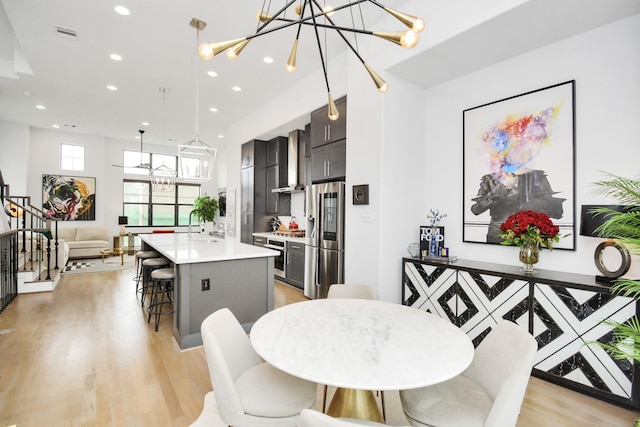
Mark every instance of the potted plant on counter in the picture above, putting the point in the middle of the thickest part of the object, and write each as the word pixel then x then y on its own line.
pixel 204 210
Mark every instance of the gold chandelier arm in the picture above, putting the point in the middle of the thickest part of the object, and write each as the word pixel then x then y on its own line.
pixel 208 50
pixel 413 22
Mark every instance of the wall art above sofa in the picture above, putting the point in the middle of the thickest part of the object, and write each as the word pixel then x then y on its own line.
pixel 69 198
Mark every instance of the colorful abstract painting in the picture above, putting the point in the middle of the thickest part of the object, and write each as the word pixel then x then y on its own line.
pixel 69 198
pixel 519 154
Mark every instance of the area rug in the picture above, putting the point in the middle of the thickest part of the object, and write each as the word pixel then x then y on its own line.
pixel 97 266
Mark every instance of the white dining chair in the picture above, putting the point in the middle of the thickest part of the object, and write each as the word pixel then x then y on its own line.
pixel 311 418
pixel 340 290
pixel 249 392
pixel 488 393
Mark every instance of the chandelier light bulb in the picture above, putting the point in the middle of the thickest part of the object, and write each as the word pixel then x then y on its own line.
pixel 298 9
pixel 205 52
pixel 418 25
pixel 409 39
pixel 262 16
pixel 328 10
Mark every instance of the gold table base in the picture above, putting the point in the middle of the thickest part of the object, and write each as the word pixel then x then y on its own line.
pixel 349 403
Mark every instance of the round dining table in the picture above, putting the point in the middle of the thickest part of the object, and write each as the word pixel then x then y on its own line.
pixel 361 345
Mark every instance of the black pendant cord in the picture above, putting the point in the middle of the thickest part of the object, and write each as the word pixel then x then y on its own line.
pixel 324 66
pixel 338 30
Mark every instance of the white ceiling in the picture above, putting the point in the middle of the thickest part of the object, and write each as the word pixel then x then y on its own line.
pixel 158 45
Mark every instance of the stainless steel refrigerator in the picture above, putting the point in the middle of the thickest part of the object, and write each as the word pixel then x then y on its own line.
pixel 324 254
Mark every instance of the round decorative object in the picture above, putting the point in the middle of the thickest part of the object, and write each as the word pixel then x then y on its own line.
pixel 624 254
pixel 414 250
pixel 529 255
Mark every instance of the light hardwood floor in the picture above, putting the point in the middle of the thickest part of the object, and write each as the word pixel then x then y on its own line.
pixel 84 355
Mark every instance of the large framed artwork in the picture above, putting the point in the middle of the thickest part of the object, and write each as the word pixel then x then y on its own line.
pixel 518 153
pixel 69 198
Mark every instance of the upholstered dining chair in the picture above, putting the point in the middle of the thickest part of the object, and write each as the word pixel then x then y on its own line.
pixel 249 392
pixel 341 290
pixel 488 393
pixel 311 418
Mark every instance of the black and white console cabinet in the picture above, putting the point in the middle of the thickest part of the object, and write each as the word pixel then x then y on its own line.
pixel 563 311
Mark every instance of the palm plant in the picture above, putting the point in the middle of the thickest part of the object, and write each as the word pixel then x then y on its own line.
pixel 625 226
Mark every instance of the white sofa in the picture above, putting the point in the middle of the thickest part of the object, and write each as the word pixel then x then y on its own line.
pixel 63 248
pixel 84 242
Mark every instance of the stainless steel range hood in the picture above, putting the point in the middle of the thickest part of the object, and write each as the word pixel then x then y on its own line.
pixel 296 165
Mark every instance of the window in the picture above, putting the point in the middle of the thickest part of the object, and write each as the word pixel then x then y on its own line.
pixel 72 157
pixel 145 207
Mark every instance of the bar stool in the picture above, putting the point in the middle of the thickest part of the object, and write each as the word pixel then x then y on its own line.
pixel 139 257
pixel 148 265
pixel 162 279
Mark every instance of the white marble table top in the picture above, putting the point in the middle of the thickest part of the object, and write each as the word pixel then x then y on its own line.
pixel 361 344
pixel 202 248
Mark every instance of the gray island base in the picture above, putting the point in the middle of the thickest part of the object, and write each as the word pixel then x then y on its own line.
pixel 239 277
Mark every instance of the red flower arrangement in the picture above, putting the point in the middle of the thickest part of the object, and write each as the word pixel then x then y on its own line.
pixel 529 227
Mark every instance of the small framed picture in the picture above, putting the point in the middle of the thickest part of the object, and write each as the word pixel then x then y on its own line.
pixel 361 194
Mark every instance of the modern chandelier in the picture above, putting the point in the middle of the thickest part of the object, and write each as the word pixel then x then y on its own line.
pixel 164 177
pixel 195 158
pixel 311 13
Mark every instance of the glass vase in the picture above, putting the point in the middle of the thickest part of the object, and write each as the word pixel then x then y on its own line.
pixel 529 256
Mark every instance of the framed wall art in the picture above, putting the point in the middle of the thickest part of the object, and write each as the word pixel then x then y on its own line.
pixel 518 154
pixel 69 198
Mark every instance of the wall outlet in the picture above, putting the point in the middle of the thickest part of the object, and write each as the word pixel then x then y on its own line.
pixel 206 285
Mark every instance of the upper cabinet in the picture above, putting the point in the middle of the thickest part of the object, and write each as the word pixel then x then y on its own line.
pixel 329 162
pixel 248 156
pixel 276 176
pixel 323 130
pixel 277 152
pixel 328 141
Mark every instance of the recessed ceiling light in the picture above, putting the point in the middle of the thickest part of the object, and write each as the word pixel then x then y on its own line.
pixel 121 10
pixel 213 109
pixel 212 73
pixel 41 107
pixel 236 88
pixel 145 123
pixel 112 87
pixel 267 60
pixel 115 57
pixel 55 126
pixel 220 136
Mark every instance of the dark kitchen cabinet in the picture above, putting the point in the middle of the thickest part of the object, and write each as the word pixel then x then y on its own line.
pixel 277 152
pixel 252 190
pixel 306 144
pixel 276 177
pixel 325 131
pixel 247 152
pixel 295 264
pixel 329 162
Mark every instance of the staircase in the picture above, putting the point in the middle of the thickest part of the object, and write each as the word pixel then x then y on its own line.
pixel 28 248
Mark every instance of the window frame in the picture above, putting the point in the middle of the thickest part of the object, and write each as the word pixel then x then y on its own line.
pixel 74 160
pixel 150 203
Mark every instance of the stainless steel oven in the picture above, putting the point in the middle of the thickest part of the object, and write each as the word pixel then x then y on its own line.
pixel 280 261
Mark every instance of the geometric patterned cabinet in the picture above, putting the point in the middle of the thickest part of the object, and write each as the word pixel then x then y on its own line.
pixel 563 311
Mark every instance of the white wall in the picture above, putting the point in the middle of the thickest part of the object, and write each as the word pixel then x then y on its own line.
pixel 100 154
pixel 605 63
pixel 14 152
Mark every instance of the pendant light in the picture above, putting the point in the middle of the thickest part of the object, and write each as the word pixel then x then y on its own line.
pixel 164 177
pixel 195 158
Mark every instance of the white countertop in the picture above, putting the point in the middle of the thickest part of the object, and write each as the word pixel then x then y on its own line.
pixel 361 344
pixel 202 248
pixel 283 238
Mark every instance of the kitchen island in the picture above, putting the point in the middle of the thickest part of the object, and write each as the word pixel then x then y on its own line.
pixel 213 273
